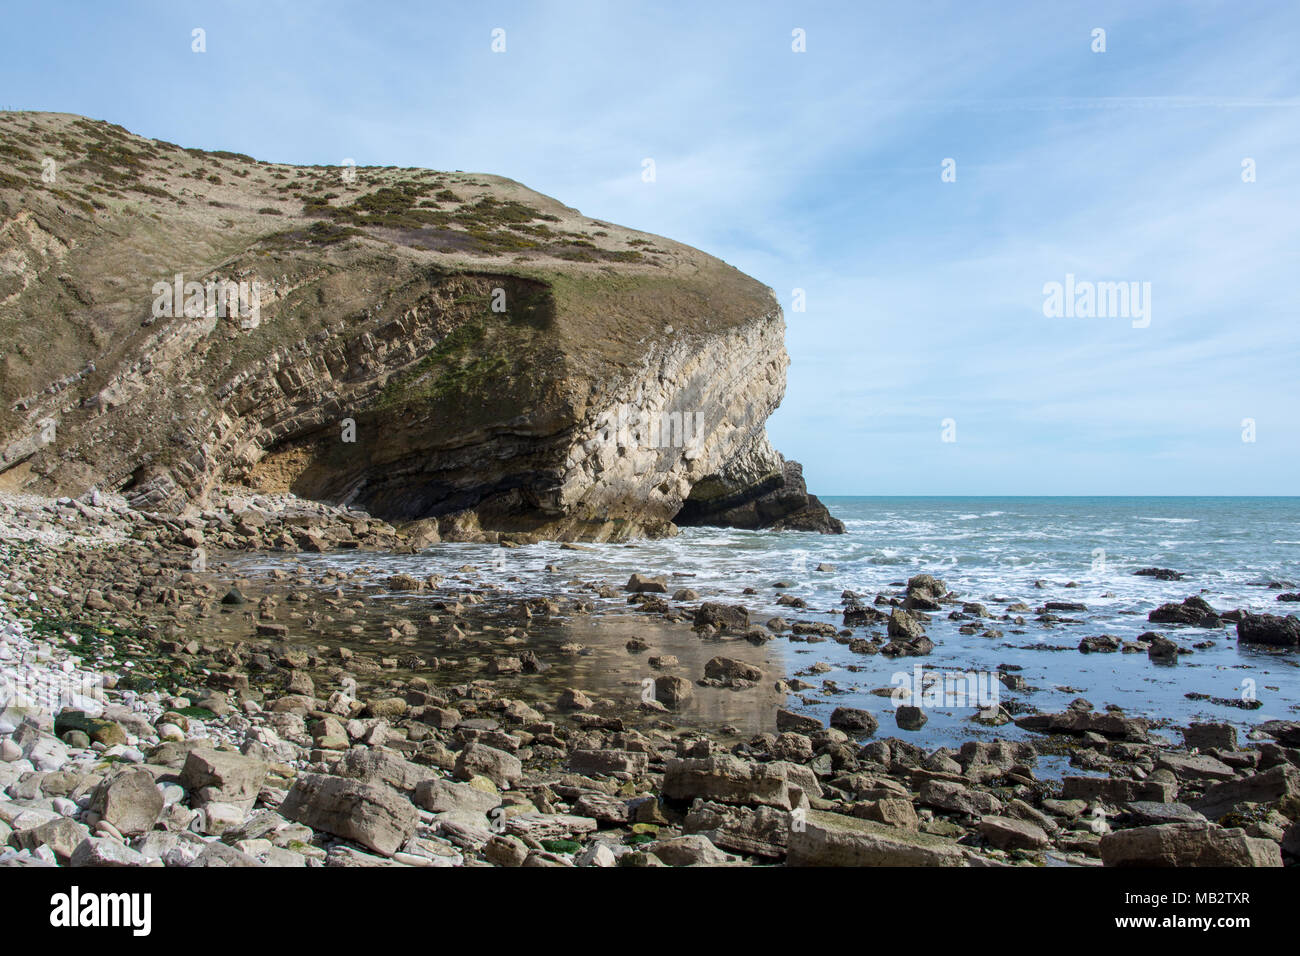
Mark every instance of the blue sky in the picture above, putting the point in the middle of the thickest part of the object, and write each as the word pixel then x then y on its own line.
pixel 821 171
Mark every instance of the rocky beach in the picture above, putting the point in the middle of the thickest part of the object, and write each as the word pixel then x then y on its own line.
pixel 174 700
pixel 385 516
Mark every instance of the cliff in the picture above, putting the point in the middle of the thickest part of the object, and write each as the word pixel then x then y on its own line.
pixel 419 344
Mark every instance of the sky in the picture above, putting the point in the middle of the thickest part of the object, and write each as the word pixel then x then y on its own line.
pixel 921 171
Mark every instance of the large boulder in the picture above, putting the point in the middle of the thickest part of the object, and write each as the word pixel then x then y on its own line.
pixel 831 839
pixel 955 798
pixel 1187 844
pixel 647 584
pixel 130 801
pixel 731 672
pixel 1116 790
pixel 672 691
pixel 219 776
pixel 1009 833
pixel 924 593
pixel 758 831
pixel 1080 722
pixel 727 617
pixel 1267 787
pixel 906 636
pixel 1270 629
pixel 445 796
pixel 377 765
pixel 372 814
pixel 729 779
pixel 1193 612
pixel 854 720
pixel 502 768
pixel 770 493
pixel 608 761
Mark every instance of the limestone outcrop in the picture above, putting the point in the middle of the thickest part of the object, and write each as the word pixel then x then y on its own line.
pixel 418 344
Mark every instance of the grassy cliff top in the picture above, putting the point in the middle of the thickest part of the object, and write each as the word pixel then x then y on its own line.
pixel 91 216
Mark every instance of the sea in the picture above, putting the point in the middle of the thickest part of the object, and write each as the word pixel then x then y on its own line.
pixel 1235 552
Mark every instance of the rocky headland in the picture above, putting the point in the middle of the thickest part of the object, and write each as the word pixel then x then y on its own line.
pixel 215 369
pixel 446 347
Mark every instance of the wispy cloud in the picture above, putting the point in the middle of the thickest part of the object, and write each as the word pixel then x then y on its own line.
pixel 821 171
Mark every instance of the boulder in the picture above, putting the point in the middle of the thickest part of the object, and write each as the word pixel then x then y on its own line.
pixel 100 852
pixel 1210 737
pixel 1116 790
pixel 727 617
pixel 377 765
pixel 219 776
pixel 1269 629
pixel 646 584
pixel 608 761
pixel 673 692
pixel 1193 612
pixel 854 720
pixel 62 836
pixel 729 779
pixel 1187 844
pixel 789 720
pixel 756 831
pixel 691 850
pixel 831 839
pixel 728 670
pixel 443 796
pixel 372 814
pixel 1100 644
pixel 503 769
pixel 910 717
pixel 1267 787
pixel 1008 833
pixel 130 801
pixel 956 798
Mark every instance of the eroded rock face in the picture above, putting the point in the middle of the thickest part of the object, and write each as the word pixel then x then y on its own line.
pixel 759 490
pixel 427 346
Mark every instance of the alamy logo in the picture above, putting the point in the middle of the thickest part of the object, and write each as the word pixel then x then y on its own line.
pixel 1098 300
pixel 214 299
pixel 969 689
pixel 76 909
pixel 666 430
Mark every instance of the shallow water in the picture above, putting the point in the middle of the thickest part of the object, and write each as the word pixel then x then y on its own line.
pixel 990 550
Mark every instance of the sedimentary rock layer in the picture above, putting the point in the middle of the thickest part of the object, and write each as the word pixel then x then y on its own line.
pixel 419 344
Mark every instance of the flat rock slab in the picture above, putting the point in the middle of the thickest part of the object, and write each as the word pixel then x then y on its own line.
pixel 1266 787
pixel 608 761
pixel 1151 813
pixel 549 826
pixel 830 839
pixel 1008 833
pixel 759 831
pixel 729 779
pixel 375 765
pixel 1187 844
